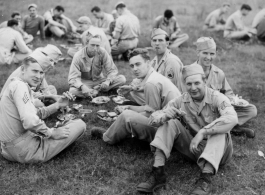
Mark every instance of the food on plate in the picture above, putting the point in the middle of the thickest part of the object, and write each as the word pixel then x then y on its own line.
pixel 101 100
pixel 77 106
pixel 119 99
pixel 238 101
pixel 85 111
pixel 63 117
pixel 120 109
pixel 102 113
pixel 112 114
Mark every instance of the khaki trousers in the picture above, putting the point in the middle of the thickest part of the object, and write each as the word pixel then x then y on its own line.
pixel 129 124
pixel 245 113
pixel 217 149
pixel 31 148
pixel 176 42
pixel 138 97
pixel 116 82
pixel 123 45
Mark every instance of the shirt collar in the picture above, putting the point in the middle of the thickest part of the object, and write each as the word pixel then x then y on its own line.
pixel 148 74
pixel 167 52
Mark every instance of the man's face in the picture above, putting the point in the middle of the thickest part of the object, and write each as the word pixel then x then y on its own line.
pixel 96 14
pixel 83 27
pixel 139 66
pixel 226 8
pixel 244 12
pixel 32 74
pixel 17 17
pixel 206 57
pixel 57 13
pixel 166 20
pixel 92 49
pixel 119 11
pixel 195 86
pixel 159 44
pixel 32 12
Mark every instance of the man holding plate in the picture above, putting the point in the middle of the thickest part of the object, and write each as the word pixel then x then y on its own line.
pixel 215 79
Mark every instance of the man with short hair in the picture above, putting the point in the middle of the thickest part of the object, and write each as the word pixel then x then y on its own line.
pixel 88 31
pixel 11 39
pixel 33 23
pixel 57 23
pixel 197 124
pixel 258 25
pixel 87 68
pixel 103 20
pixel 215 79
pixel 24 136
pixel 126 32
pixel 235 27
pixel 169 23
pixel 53 54
pixel 133 121
pixel 215 21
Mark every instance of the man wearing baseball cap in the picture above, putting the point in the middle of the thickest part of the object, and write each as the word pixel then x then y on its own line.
pixel 215 79
pixel 198 125
pixel 47 57
pixel 24 136
pixel 88 31
pixel 33 23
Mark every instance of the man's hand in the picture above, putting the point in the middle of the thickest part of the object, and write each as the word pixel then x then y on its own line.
pixel 196 140
pixel 123 90
pixel 63 100
pixel 86 91
pixel 104 86
pixel 60 133
pixel 172 112
pixel 113 41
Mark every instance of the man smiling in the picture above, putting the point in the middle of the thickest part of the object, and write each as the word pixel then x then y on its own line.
pixel 215 79
pixel 158 91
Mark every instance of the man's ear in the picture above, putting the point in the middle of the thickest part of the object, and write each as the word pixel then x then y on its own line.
pixel 23 68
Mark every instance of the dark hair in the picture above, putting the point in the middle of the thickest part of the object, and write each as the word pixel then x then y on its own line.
pixel 139 51
pixel 27 60
pixel 59 8
pixel 203 78
pixel 95 9
pixel 246 7
pixel 14 14
pixel 12 22
pixel 120 5
pixel 168 13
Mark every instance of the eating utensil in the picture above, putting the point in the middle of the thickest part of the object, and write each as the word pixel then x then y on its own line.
pixel 260 153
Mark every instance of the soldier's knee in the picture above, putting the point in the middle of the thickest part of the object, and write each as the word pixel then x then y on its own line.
pixel 254 111
pixel 122 79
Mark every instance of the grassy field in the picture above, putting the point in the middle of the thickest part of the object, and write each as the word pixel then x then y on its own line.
pixel 93 167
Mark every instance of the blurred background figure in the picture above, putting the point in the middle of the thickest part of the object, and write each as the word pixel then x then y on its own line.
pixel 258 25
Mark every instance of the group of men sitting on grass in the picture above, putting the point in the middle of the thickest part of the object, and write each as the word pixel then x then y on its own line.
pixel 173 106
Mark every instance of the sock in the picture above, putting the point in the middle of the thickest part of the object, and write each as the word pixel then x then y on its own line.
pixel 208 168
pixel 159 158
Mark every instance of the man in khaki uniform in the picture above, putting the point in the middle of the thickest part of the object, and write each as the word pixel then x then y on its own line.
pixel 215 21
pixel 126 32
pixel 169 23
pixel 165 63
pixel 10 39
pixel 158 91
pixel 258 25
pixel 88 31
pixel 87 68
pixel 215 79
pixel 197 124
pixel 51 52
pixel 24 136
pixel 103 20
pixel 235 28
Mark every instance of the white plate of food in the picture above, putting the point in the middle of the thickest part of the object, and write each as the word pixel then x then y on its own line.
pixel 63 117
pixel 100 100
pixel 119 99
pixel 107 116
pixel 236 101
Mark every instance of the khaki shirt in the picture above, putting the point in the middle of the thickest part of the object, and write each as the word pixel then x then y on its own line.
pixel 42 87
pixel 104 23
pixel 214 18
pixel 169 66
pixel 258 18
pixel 158 90
pixel 234 22
pixel 10 38
pixel 86 68
pixel 127 25
pixel 96 31
pixel 18 113
pixel 170 27
pixel 214 112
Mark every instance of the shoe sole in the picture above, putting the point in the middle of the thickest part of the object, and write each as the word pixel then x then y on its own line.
pixel 158 186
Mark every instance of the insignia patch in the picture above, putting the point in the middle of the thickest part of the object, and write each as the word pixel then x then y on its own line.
pixel 25 98
pixel 224 104
pixel 170 74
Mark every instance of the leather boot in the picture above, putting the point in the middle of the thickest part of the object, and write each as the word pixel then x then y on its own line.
pixel 156 180
pixel 203 185
pixel 239 130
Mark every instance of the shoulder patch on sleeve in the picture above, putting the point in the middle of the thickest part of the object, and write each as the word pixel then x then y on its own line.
pixel 25 98
pixel 170 73
pixel 224 105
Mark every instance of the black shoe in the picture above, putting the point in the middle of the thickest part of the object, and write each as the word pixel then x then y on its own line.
pixel 250 133
pixel 203 185
pixel 156 180
pixel 97 132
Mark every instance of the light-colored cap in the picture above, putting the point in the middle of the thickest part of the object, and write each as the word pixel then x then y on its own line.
pixel 158 31
pixel 192 70
pixel 204 43
pixel 84 20
pixel 42 60
pixel 95 40
pixel 119 3
pixel 52 52
pixel 32 5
